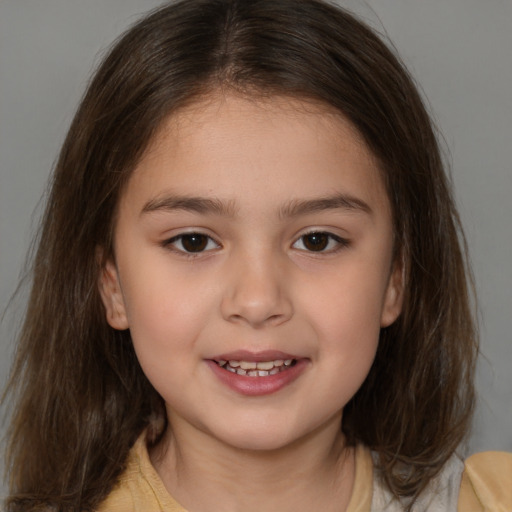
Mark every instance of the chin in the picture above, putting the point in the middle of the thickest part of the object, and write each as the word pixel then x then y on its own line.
pixel 261 436
pixel 258 442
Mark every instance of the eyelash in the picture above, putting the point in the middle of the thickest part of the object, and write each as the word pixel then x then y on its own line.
pixel 333 243
pixel 173 242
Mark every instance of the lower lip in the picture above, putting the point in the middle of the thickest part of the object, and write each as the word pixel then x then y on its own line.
pixel 257 386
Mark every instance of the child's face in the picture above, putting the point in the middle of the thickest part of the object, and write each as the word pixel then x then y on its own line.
pixel 254 232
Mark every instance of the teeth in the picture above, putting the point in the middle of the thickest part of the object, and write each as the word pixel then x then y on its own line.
pixel 255 369
pixel 265 365
pixel 248 365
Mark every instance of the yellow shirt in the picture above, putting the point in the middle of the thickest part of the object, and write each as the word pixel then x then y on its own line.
pixel 486 485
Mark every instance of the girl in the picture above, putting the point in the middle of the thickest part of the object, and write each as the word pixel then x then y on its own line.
pixel 250 290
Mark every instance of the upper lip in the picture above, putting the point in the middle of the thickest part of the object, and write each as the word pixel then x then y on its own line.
pixel 247 355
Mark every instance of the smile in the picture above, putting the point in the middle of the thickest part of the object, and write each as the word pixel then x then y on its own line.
pixel 257 374
pixel 257 369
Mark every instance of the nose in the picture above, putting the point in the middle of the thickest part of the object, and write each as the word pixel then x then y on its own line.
pixel 256 292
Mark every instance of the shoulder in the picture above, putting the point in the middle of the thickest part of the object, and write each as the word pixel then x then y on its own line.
pixel 139 488
pixel 487 483
pixel 483 483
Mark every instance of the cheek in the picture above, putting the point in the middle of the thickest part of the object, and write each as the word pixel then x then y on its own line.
pixel 165 325
pixel 346 304
pixel 350 339
pixel 166 314
pixel 344 314
pixel 350 345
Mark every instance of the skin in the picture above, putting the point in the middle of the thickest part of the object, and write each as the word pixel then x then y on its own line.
pixel 255 286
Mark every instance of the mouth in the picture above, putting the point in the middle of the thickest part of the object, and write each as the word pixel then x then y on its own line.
pixel 258 373
pixel 256 368
pixel 263 363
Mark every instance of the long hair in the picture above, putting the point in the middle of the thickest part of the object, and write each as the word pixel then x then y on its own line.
pixel 80 396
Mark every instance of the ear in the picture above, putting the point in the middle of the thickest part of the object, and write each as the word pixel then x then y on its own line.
pixel 393 299
pixel 112 296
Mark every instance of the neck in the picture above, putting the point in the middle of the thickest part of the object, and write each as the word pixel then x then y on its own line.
pixel 313 473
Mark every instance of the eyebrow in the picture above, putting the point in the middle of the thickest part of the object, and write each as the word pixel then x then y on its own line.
pixel 294 208
pixel 200 205
pixel 335 202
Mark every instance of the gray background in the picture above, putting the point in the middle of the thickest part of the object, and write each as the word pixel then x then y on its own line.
pixel 460 51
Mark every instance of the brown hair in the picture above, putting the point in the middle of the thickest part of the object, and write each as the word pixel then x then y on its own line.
pixel 81 398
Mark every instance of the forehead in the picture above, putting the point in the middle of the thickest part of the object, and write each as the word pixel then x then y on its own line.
pixel 223 144
pixel 255 118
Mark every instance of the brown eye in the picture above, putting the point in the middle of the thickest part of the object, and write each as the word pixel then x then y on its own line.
pixel 319 241
pixel 315 241
pixel 192 243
